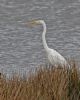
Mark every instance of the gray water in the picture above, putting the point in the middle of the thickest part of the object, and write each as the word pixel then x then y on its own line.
pixel 21 47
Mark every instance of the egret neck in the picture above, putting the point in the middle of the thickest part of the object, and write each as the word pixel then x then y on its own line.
pixel 43 36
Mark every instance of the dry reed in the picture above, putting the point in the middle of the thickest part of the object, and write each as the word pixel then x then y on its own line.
pixel 46 84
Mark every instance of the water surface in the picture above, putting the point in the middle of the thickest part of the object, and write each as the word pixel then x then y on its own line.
pixel 21 47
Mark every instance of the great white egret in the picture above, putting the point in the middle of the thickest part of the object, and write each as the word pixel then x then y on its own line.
pixel 53 56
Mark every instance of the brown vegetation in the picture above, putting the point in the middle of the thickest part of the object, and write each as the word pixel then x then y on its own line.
pixel 47 84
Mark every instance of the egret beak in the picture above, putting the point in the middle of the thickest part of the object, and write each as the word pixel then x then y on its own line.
pixel 31 23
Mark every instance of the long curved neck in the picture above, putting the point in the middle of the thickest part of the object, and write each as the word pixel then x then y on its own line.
pixel 43 36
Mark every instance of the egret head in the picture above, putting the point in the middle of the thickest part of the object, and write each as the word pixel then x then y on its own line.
pixel 34 22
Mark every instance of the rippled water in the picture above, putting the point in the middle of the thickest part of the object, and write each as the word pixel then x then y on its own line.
pixel 21 47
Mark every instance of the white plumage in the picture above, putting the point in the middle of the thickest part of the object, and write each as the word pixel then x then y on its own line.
pixel 53 56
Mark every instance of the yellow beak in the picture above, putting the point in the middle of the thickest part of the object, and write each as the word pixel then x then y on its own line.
pixel 32 23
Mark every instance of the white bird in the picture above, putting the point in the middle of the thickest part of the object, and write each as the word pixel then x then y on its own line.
pixel 53 56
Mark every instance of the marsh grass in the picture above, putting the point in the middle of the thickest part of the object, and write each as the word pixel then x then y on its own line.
pixel 47 83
